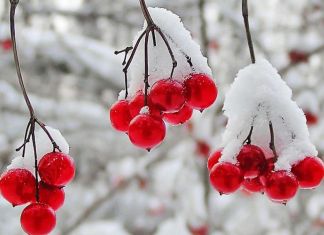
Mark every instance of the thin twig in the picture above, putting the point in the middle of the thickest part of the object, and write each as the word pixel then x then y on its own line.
pixel 272 141
pixel 245 12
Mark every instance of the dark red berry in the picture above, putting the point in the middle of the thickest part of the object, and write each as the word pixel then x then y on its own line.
pixel 311 118
pixel 17 186
pixel 253 185
pixel 180 117
pixel 38 219
pixel 203 148
pixel 137 103
pixel 56 169
pixel 146 131
pixel 214 158
pixel 296 56
pixel 120 116
pixel 198 230
pixel 309 172
pixel 51 195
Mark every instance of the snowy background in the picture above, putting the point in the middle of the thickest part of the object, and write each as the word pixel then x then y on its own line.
pixel 73 77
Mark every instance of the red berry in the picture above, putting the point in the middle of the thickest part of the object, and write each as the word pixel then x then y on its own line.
pixel 253 185
pixel 270 165
pixel 6 44
pixel 137 103
pixel 17 186
pixel 56 169
pixel 251 160
pixel 281 186
pixel 296 56
pixel 203 148
pixel 51 195
pixel 38 219
pixel 226 177
pixel 309 172
pixel 168 95
pixel 180 117
pixel 120 116
pixel 311 118
pixel 201 91
pixel 214 158
pixel 146 131
pixel 201 230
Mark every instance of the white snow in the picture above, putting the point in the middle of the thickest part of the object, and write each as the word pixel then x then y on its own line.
pixel 257 96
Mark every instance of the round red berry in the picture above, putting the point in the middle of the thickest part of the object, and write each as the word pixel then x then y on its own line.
pixel 138 102
pixel 180 117
pixel 201 91
pixel 226 177
pixel 251 160
pixel 38 219
pixel 253 185
pixel 18 186
pixel 311 118
pixel 309 172
pixel 120 116
pixel 214 158
pixel 281 186
pixel 146 131
pixel 56 169
pixel 168 95
pixel 198 230
pixel 51 195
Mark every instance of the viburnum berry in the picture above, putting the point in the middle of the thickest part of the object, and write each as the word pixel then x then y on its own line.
pixel 146 131
pixel 251 160
pixel 226 177
pixel 309 172
pixel 6 44
pixel 18 186
pixel 311 118
pixel 253 185
pixel 38 219
pixel 201 91
pixel 198 230
pixel 180 117
pixel 203 148
pixel 56 169
pixel 138 102
pixel 51 195
pixel 281 186
pixel 270 165
pixel 168 95
pixel 214 158
pixel 296 56
pixel 120 116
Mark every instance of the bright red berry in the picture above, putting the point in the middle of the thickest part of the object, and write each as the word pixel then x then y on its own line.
pixel 168 95
pixel 120 116
pixel 38 219
pixel 201 91
pixel 226 177
pixel 137 103
pixel 270 165
pixel 281 186
pixel 180 117
pixel 17 186
pixel 251 160
pixel 309 172
pixel 253 185
pixel 146 131
pixel 6 44
pixel 311 118
pixel 56 169
pixel 51 195
pixel 214 158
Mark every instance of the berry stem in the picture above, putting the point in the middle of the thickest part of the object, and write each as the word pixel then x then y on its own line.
pixel 248 138
pixel 36 162
pixel 146 76
pixel 272 141
pixel 245 12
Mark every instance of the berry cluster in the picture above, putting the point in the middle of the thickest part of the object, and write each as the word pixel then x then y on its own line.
pixel 19 186
pixel 256 173
pixel 142 117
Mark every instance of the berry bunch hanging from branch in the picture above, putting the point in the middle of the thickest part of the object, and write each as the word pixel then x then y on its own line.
pixel 177 87
pixel 31 179
pixel 266 141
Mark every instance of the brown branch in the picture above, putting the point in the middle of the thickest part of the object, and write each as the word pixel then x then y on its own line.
pixel 203 27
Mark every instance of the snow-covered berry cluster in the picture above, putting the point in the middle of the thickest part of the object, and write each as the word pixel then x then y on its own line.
pixel 155 96
pixel 277 156
pixel 20 184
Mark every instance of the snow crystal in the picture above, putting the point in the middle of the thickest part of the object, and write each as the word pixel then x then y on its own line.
pixel 145 110
pixel 257 96
pixel 160 63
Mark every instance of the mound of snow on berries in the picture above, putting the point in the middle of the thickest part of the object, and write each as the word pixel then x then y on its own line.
pixel 43 146
pixel 160 63
pixel 257 96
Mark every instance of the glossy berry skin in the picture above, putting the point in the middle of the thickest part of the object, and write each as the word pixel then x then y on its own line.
pixel 214 158
pixel 309 172
pixel 137 103
pixel 251 160
pixel 17 186
pixel 226 177
pixel 51 195
pixel 146 131
pixel 281 186
pixel 180 117
pixel 38 219
pixel 56 169
pixel 120 116
pixel 253 185
pixel 201 91
pixel 168 95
